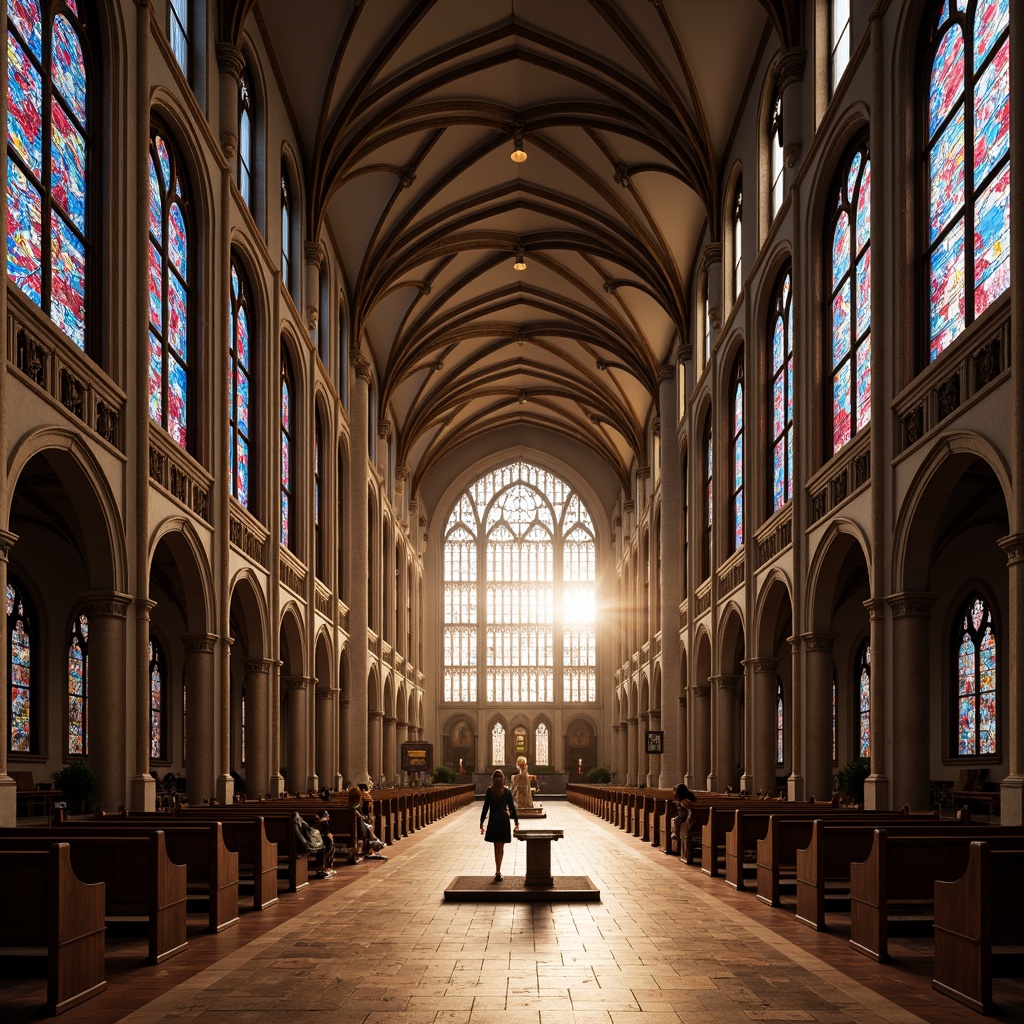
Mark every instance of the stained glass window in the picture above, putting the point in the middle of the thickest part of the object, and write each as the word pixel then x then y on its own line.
pixel 737 242
pixel 48 218
pixel 318 497
pixel 498 744
pixel 169 298
pixel 503 584
pixel 839 39
pixel 863 686
pixel 708 503
pixel 287 481
pixel 245 137
pixel 849 256
pixel 178 29
pixel 976 679
pixel 240 364
pixel 542 746
pixel 781 395
pixel 78 687
pixel 967 144
pixel 737 454
pixel 286 233
pixel 780 725
pixel 156 701
pixel 775 154
pixel 21 688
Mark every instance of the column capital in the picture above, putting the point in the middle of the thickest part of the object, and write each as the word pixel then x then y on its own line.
pixel 98 603
pixel 1013 545
pixel 314 253
pixel 375 716
pixel 629 507
pixel 790 67
pixel 667 373
pixel 295 682
pixel 390 720
pixel 762 665
pixel 361 365
pixel 725 682
pixel 876 607
pixel 712 254
pixel 910 604
pixel 257 665
pixel 199 643
pixel 7 540
pixel 643 473
pixel 385 428
pixel 819 641
pixel 700 691
pixel 326 695
pixel 644 716
pixel 230 60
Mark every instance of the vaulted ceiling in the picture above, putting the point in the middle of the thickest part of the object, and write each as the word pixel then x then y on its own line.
pixel 407 112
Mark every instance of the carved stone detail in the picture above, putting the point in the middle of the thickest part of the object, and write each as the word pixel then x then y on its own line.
pixel 907 605
pixel 257 666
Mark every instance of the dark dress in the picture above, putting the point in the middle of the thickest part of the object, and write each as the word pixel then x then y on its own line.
pixel 498 828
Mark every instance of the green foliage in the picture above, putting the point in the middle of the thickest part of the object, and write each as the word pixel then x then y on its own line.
pixel 444 773
pixel 850 779
pixel 602 776
pixel 77 781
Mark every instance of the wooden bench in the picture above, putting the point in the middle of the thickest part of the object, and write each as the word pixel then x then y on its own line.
pixel 141 881
pixel 46 909
pixel 971 788
pixel 899 876
pixel 32 801
pixel 975 915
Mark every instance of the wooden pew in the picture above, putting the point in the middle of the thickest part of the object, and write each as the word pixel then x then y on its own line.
pixel 900 875
pixel 823 866
pixel 212 869
pixel 44 907
pixel 980 910
pixel 140 881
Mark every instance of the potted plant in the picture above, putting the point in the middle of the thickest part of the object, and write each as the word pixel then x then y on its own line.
pixel 444 775
pixel 77 781
pixel 850 780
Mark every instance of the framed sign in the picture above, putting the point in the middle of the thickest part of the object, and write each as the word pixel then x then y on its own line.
pixel 417 757
pixel 655 741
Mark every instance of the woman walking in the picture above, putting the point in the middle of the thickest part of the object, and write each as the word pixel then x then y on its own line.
pixel 498 801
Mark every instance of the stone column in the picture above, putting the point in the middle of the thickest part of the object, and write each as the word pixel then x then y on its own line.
pixel 143 786
pixel 108 748
pixel 8 788
pixel 375 720
pixel 277 783
pixel 230 63
pixel 257 727
pixel 673 759
pixel 200 716
pixel 711 783
pixel 819 676
pixel 344 771
pixel 713 275
pixel 643 759
pixel 796 785
pixel 390 762
pixel 314 256
pixel 358 570
pixel 726 730
pixel 326 754
pixel 631 752
pixel 700 762
pixel 791 75
pixel 654 770
pixel 747 773
pixel 1011 801
pixel 876 786
pixel 765 673
pixel 622 751
pixel 911 673
pixel 295 687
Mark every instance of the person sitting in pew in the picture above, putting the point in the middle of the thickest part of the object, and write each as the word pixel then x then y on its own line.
pixel 680 824
pixel 359 798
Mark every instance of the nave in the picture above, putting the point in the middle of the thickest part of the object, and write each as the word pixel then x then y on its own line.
pixel 377 944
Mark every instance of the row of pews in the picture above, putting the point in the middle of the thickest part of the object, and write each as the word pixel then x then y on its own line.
pixel 957 879
pixel 61 883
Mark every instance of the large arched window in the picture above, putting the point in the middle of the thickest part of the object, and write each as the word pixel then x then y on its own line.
pixel 780 330
pixel 776 163
pixel 967 155
pixel 157 697
pixel 863 686
pixel 49 123
pixel 516 524
pixel 976 666
pixel 839 40
pixel 78 687
pixel 850 292
pixel 498 744
pixel 287 447
pixel 22 696
pixel 170 394
pixel 708 497
pixel 240 362
pixel 542 746
pixel 737 454
pixel 246 140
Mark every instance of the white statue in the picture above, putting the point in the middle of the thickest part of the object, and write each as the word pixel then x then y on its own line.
pixel 521 785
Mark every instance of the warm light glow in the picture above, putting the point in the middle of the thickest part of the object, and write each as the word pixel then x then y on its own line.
pixel 518 155
pixel 520 263
pixel 579 607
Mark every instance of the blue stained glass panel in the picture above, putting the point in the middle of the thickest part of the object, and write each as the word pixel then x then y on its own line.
pixel 947 81
pixel 67 297
pixel 242 339
pixel 177 397
pixel 177 241
pixel 841 407
pixel 992 242
pixel 992 114
pixel 991 18
pixel 778 345
pixel 156 364
pixel 864 292
pixel 864 208
pixel 778 407
pixel 21 687
pixel 155 200
pixel 165 165
pixel 967 743
pixel 779 475
pixel 840 248
pixel 789 390
pixel 242 403
pixel 864 382
pixel 286 462
pixel 24 233
pixel 177 317
pixel 286 403
pixel 156 288
pixel 68 178
pixel 76 693
pixel 25 17
pixel 947 313
pixel 69 67
pixel 242 472
pixel 737 409
pixel 946 176
pixel 841 324
pixel 738 521
pixel 24 107
pixel 737 469
pixel 284 518
pixel 851 177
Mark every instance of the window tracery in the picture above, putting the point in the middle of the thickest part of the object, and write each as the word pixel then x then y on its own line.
pixel 781 396
pixel 21 682
pixel 156 701
pixel 78 687
pixel 287 481
pixel 864 700
pixel 976 669
pixel 238 389
pixel 737 454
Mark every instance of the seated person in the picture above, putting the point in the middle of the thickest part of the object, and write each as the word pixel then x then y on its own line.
pixel 359 798
pixel 325 862
pixel 679 826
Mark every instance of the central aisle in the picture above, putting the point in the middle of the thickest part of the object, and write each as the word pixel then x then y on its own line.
pixel 387 948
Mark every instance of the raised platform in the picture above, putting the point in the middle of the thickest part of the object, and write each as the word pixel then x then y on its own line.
pixel 533 813
pixel 513 889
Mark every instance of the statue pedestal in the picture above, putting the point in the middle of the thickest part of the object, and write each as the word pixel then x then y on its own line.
pixel 538 854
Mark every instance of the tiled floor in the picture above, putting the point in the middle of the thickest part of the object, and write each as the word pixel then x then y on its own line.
pixel 377 943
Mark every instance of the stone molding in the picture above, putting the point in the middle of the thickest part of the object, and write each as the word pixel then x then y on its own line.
pixel 700 691
pixel 257 666
pixel 199 643
pixel 106 603
pixel 790 67
pixel 1013 545
pixel 230 60
pixel 314 253
pixel 908 604
pixel 7 540
pixel 295 682
pixel 819 641
pixel 712 254
pixel 763 665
